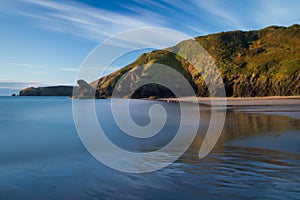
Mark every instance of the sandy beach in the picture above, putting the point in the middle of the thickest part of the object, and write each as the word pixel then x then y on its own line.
pixel 240 101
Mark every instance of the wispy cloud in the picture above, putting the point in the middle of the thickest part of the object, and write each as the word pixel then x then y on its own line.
pixel 17 85
pixel 83 20
pixel 96 24
pixel 148 37
pixel 8 87
pixel 68 69
pixel 26 65
pixel 276 12
pixel 193 16
pixel 36 66
pixel 182 15
pixel 222 11
pixel 200 31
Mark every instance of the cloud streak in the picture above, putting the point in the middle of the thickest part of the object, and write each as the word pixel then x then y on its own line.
pixel 83 20
pixel 276 12
pixel 68 69
pixel 26 65
pixel 226 15
pixel 17 85
pixel 8 87
pixel 193 16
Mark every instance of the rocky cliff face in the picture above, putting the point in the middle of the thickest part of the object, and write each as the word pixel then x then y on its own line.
pixel 48 91
pixel 257 63
pixel 253 63
pixel 85 90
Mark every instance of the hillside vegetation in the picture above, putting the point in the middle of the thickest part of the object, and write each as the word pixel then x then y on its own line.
pixel 252 63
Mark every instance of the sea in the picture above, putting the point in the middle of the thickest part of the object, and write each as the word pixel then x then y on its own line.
pixel 42 155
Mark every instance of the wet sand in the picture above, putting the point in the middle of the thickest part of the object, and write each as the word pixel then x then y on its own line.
pixel 287 106
pixel 240 101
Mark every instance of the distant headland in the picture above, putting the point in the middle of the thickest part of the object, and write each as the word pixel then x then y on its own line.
pixel 47 91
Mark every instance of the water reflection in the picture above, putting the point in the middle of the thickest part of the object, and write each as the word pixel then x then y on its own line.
pixel 41 156
pixel 242 166
pixel 246 124
pixel 251 124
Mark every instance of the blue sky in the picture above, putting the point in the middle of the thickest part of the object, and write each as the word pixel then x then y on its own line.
pixel 44 42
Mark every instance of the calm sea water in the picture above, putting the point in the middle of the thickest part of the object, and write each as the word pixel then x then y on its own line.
pixel 42 157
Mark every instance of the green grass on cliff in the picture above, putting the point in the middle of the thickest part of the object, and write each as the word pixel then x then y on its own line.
pixel 271 53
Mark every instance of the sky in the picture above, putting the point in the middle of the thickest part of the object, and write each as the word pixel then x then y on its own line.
pixel 44 42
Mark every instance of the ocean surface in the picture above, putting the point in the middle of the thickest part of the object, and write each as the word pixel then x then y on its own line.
pixel 42 157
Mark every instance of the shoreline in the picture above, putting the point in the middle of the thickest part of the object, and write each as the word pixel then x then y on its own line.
pixel 239 101
pixel 221 101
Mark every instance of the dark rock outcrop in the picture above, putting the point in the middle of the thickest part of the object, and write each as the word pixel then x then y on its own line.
pixel 48 91
pixel 86 90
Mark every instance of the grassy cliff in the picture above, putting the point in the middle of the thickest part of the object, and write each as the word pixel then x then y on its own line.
pixel 265 62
